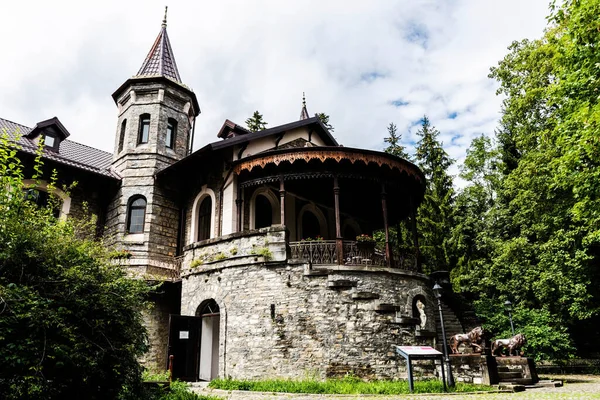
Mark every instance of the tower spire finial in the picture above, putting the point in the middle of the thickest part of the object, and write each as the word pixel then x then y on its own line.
pixel 164 21
pixel 304 111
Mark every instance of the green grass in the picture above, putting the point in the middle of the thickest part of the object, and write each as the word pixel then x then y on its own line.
pixel 348 385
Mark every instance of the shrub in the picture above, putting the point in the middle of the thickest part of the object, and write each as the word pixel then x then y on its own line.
pixel 71 322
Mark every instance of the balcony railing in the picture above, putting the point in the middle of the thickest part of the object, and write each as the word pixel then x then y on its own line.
pixel 323 252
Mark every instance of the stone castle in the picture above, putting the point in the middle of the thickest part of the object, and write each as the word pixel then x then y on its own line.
pixel 262 240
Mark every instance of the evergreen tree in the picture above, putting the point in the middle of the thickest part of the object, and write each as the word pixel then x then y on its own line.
pixel 435 214
pixel 256 123
pixel 324 118
pixel 394 147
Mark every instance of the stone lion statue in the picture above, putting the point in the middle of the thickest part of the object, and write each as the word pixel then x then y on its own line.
pixel 513 344
pixel 472 339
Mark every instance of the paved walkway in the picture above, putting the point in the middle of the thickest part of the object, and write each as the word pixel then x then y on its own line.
pixel 575 387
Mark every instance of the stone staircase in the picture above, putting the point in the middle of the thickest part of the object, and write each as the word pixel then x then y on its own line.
pixel 451 323
pixel 516 370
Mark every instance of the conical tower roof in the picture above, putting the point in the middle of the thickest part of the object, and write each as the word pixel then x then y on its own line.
pixel 304 111
pixel 160 61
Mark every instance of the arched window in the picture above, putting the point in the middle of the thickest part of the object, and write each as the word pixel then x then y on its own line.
pixel 208 307
pixel 263 212
pixel 144 132
pixel 136 214
pixel 171 133
pixel 122 135
pixel 204 218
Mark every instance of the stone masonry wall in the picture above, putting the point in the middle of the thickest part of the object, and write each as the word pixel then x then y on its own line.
pixel 324 323
pixel 156 320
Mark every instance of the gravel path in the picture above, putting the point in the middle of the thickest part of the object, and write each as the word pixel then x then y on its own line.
pixel 575 387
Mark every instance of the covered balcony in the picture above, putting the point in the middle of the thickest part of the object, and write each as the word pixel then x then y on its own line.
pixel 327 198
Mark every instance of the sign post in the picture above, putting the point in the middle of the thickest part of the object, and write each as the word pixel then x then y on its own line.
pixel 410 353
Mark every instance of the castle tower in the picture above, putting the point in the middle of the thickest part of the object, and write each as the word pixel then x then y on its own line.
pixel 156 110
pixel 156 114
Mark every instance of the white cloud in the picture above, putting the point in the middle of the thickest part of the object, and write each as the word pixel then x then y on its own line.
pixel 352 58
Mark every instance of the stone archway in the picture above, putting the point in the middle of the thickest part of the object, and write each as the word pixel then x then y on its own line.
pixel 313 216
pixel 262 202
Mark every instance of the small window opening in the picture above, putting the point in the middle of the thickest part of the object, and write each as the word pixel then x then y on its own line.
pixel 122 135
pixel 171 132
pixel 144 129
pixel 49 141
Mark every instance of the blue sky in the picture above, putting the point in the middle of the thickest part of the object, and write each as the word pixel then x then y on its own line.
pixel 366 64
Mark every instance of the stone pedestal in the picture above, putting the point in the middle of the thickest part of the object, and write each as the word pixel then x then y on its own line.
pixel 474 368
pixel 517 370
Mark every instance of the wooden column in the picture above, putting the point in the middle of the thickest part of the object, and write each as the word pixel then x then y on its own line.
pixel 339 244
pixel 239 202
pixel 388 249
pixel 413 221
pixel 282 199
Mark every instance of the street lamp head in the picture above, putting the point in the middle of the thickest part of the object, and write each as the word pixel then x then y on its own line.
pixel 508 305
pixel 437 291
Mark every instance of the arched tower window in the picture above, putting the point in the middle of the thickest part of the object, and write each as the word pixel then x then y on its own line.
pixel 204 218
pixel 263 212
pixel 122 135
pixel 136 214
pixel 144 132
pixel 171 133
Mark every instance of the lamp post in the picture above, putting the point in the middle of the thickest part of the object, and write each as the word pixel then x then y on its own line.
pixel 508 308
pixel 437 291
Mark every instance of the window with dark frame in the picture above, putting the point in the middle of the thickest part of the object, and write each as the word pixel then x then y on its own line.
pixel 136 215
pixel 49 141
pixel 144 133
pixel 204 218
pixel 171 132
pixel 42 199
pixel 122 135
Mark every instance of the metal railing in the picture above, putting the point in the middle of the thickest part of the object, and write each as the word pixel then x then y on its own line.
pixel 323 252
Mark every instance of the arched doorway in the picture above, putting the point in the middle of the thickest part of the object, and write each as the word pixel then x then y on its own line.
pixel 310 225
pixel 263 212
pixel 208 358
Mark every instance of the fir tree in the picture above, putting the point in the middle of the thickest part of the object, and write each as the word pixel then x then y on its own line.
pixel 394 147
pixel 325 120
pixel 256 123
pixel 435 214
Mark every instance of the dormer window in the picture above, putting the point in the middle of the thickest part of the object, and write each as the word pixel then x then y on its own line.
pixel 51 131
pixel 171 132
pixel 144 133
pixel 49 141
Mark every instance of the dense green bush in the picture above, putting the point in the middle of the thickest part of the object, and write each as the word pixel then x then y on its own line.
pixel 70 321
